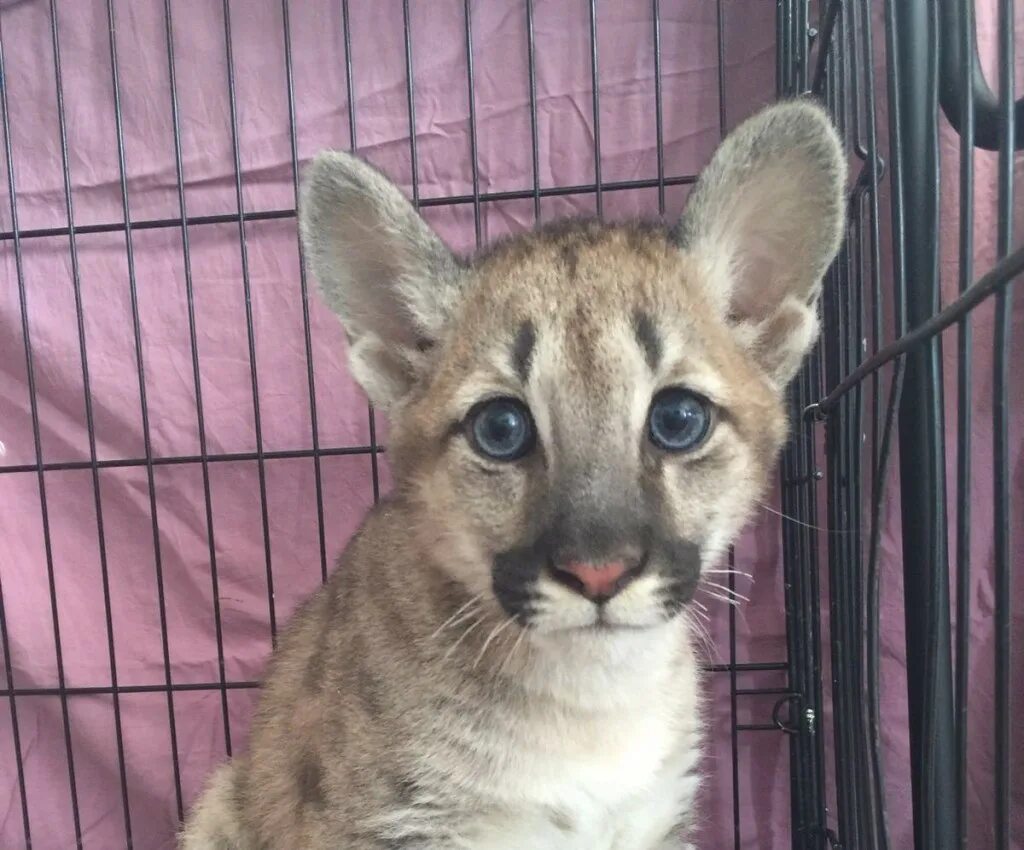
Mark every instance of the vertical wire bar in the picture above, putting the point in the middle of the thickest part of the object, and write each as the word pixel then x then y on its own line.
pixel 780 50
pixel 658 106
pixel 410 96
pixel 73 248
pixel 350 86
pixel 734 730
pixel 597 110
pixel 5 643
pixel 851 268
pixel 144 409
pixel 1000 433
pixel 531 58
pixel 876 788
pixel 964 416
pixel 473 155
pixel 808 803
pixel 801 46
pixel 179 172
pixel 250 331
pixel 913 107
pixel 836 356
pixel 304 289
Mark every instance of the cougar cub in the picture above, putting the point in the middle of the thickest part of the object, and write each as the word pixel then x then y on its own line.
pixel 582 418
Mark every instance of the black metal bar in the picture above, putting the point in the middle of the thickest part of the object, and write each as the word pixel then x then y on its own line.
pixel 757 727
pixel 750 692
pixel 799 539
pixel 882 430
pixel 147 442
pixel 410 97
pixel 731 578
pixel 842 446
pixel 307 336
pixel 734 749
pixel 443 201
pixel 658 118
pixel 913 50
pixel 531 60
pixel 964 415
pixel 177 460
pixel 998 278
pixel 595 88
pixel 197 384
pixel 958 50
pixel 103 690
pixel 5 642
pixel 828 25
pixel 249 326
pixel 73 249
pixel 1000 431
pixel 106 690
pixel 350 83
pixel 473 148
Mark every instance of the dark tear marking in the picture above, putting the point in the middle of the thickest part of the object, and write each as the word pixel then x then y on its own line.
pixel 309 778
pixel 571 259
pixel 522 349
pixel 312 679
pixel 648 338
pixel 370 690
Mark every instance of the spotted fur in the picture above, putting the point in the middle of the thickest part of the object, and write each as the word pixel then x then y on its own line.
pixel 444 691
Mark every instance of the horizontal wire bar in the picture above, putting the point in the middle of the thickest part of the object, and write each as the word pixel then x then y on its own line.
pixel 1000 275
pixel 103 690
pixel 177 460
pixel 270 215
pixel 751 692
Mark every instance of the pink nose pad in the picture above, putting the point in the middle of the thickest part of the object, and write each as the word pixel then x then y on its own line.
pixel 595 581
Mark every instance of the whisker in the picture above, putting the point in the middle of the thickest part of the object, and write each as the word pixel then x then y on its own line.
pixel 734 602
pixel 451 621
pixel 728 590
pixel 701 633
pixel 463 636
pixel 700 605
pixel 745 575
pixel 803 524
pixel 497 630
pixel 515 647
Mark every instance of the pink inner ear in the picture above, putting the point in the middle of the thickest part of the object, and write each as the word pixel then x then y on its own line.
pixel 785 337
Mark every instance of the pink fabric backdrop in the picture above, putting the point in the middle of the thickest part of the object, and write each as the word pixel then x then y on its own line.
pixel 566 133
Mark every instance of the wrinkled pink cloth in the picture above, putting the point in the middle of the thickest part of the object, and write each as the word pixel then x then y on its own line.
pixel 168 557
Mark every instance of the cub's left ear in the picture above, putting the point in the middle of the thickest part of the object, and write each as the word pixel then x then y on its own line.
pixel 765 220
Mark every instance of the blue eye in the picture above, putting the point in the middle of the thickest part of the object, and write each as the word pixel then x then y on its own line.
pixel 679 420
pixel 501 429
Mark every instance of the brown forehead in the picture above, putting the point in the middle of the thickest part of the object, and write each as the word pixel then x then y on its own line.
pixel 580 273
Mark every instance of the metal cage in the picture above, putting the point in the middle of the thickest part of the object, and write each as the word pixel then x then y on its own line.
pixel 872 389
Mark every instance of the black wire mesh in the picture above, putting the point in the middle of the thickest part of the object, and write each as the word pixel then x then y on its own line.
pixel 913 224
pixel 743 676
pixel 878 67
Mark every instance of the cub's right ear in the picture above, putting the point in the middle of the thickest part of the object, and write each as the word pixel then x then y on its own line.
pixel 390 279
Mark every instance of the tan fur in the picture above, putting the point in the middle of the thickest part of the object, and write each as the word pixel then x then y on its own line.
pixel 414 702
